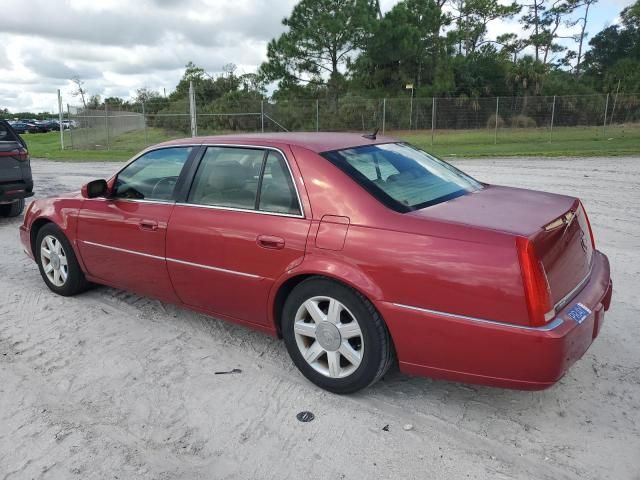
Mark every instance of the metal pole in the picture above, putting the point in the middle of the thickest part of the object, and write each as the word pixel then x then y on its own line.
pixel 606 109
pixel 553 114
pixel 144 125
pixel 317 115
pixel 411 111
pixel 262 115
pixel 615 103
pixel 70 129
pixel 433 118
pixel 495 133
pixel 384 114
pixel 192 111
pixel 106 123
pixel 60 121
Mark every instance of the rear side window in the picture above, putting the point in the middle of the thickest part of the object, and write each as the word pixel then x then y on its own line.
pixel 246 179
pixel 153 176
pixel 228 177
pixel 277 193
pixel 6 133
pixel 402 177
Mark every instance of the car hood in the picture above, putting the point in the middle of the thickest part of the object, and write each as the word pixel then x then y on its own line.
pixel 505 209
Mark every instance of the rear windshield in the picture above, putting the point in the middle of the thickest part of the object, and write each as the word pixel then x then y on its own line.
pixel 401 176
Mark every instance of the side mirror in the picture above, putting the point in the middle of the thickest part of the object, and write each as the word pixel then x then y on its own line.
pixel 95 188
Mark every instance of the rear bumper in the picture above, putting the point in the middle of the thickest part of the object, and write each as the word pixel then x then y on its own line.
pixel 25 239
pixel 10 192
pixel 440 345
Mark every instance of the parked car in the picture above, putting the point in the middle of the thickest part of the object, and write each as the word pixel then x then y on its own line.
pixel 16 183
pixel 353 249
pixel 19 127
pixel 68 124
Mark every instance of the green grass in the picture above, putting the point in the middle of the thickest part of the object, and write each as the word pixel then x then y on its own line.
pixel 563 141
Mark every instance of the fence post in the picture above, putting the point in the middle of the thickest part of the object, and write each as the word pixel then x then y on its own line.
pixel 60 121
pixel 317 115
pixel 433 118
pixel 106 124
pixel 553 115
pixel 262 115
pixel 70 129
pixel 384 114
pixel 144 125
pixel 192 111
pixel 495 133
pixel 606 109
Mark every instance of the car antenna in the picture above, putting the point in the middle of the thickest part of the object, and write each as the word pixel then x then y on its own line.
pixel 372 136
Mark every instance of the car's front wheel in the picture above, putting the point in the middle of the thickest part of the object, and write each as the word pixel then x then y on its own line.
pixel 12 209
pixel 335 336
pixel 57 262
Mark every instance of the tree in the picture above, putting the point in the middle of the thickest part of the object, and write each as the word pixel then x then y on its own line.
pixel 613 51
pixel 322 39
pixel 472 18
pixel 531 20
pixel 406 47
pixel 583 20
pixel 80 90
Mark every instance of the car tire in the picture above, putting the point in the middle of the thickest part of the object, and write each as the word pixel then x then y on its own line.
pixel 12 209
pixel 335 336
pixel 59 267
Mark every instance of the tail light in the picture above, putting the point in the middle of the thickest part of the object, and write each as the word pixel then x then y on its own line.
pixel 536 285
pixel 593 240
pixel 19 154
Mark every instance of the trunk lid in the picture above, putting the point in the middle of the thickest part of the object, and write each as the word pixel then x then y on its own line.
pixel 564 247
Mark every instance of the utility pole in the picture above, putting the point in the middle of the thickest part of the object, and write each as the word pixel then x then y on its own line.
pixel 409 86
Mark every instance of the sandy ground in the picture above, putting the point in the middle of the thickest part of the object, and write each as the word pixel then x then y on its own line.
pixel 112 385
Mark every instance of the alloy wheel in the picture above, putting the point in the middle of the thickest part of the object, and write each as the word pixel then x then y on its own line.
pixel 329 337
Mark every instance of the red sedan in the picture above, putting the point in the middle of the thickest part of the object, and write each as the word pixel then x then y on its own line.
pixel 356 250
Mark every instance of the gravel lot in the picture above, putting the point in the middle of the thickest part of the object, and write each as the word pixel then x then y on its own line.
pixel 113 385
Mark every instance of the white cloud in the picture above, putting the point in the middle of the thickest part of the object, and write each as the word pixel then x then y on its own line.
pixel 117 46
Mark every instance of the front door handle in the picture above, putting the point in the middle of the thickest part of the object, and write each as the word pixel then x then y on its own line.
pixel 148 225
pixel 269 241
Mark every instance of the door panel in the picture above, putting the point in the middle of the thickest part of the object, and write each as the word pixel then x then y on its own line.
pixel 122 239
pixel 217 262
pixel 123 243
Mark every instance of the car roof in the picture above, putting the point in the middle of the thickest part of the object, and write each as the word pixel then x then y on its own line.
pixel 314 141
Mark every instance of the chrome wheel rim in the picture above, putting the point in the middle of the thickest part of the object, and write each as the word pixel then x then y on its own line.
pixel 54 260
pixel 329 337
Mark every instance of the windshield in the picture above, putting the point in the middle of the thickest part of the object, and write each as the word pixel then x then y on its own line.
pixel 401 176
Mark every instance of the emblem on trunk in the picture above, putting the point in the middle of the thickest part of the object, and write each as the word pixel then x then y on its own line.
pixel 583 243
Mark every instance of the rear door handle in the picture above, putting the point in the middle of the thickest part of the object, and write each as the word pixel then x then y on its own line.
pixel 268 241
pixel 148 225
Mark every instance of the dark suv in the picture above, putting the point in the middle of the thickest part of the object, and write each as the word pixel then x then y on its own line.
pixel 16 183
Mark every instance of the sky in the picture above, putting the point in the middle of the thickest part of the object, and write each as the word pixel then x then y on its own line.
pixel 118 46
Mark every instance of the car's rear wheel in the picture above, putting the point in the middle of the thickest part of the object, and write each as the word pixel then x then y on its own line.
pixel 335 336
pixel 12 209
pixel 57 262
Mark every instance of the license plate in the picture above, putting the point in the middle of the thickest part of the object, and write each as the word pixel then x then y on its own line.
pixel 579 312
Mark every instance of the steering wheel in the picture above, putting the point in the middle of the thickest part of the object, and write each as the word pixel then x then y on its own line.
pixel 168 182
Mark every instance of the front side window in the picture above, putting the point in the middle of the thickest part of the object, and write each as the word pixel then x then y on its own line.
pixel 401 176
pixel 153 176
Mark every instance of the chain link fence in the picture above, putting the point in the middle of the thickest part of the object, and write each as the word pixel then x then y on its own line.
pixel 441 120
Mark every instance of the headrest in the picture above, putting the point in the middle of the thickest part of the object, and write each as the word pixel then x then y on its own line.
pixel 227 175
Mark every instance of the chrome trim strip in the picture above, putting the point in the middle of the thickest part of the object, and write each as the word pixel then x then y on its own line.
pixel 207 267
pixel 549 326
pixel 124 250
pixel 233 209
pixel 175 260
pixel 567 298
